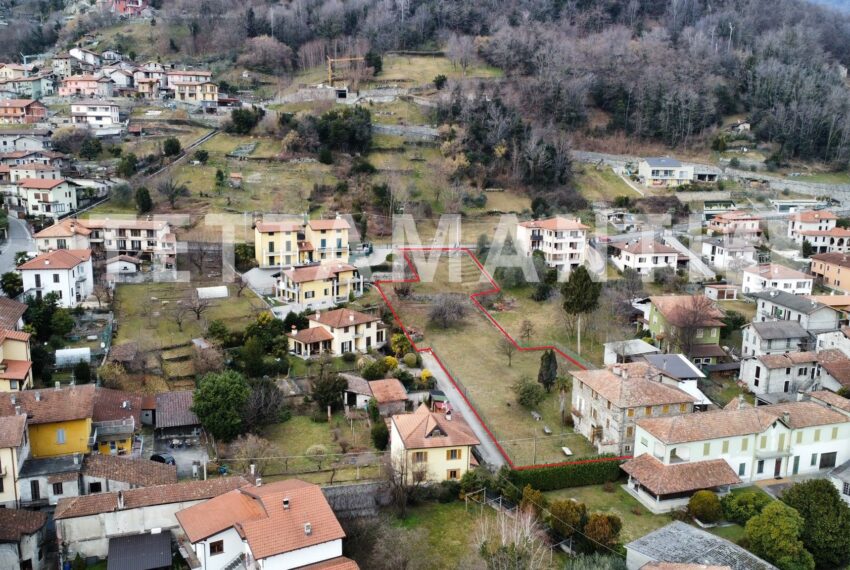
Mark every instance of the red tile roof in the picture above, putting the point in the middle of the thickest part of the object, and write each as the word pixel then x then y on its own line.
pixel 339 318
pixel 388 390
pixel 335 224
pixel 110 405
pixel 644 246
pixel 136 472
pixel 12 430
pixel 174 409
pixel 311 335
pixel 812 216
pixel 775 271
pixel 664 479
pixel 16 369
pixel 65 228
pixel 11 312
pixel 40 183
pixel 675 309
pixel 632 385
pixel 51 405
pixel 317 272
pixel 556 223
pixel 17 523
pixel 57 259
pixel 425 429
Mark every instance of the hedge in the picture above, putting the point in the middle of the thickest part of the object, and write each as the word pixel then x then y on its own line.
pixel 572 475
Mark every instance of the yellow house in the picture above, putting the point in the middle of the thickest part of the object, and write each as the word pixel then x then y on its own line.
pixel 116 416
pixel 431 446
pixel 319 285
pixel 15 363
pixel 14 448
pixel 288 243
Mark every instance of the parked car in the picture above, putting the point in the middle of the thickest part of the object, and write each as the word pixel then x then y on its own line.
pixel 163 458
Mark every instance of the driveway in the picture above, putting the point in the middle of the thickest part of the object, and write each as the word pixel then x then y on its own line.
pixel 183 456
pixel 488 449
pixel 20 239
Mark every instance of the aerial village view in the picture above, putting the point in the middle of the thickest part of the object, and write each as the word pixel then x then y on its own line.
pixel 416 284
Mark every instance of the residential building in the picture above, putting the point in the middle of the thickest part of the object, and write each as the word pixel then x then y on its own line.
pixel 813 316
pixel 288 243
pixel 629 350
pixel 840 477
pixel 116 417
pixel 431 446
pixel 607 402
pixel 834 370
pixel 122 78
pixel 772 276
pixel 827 269
pixel 42 482
pixel 46 197
pixel 177 76
pixel 25 138
pixel 94 113
pixel 86 86
pixel 14 70
pixel 21 111
pixel 18 157
pixel 689 324
pixel 87 523
pixel 390 396
pixel 800 223
pixel 15 361
pixel 337 332
pixel 728 253
pixel 721 291
pixel 174 416
pixel 86 57
pixel 739 223
pixel 643 255
pixel 562 241
pixel 839 339
pixel 22 537
pixel 774 337
pixel 147 88
pixel 68 233
pixel 319 286
pixel 108 473
pixel 34 170
pixel 30 87
pixel 681 546
pixel 203 94
pixel 149 240
pixel 664 171
pixel 66 272
pixel 836 240
pixel 677 370
pixel 780 440
pixel 777 377
pixel 63 65
pixel 14 450
pixel 280 525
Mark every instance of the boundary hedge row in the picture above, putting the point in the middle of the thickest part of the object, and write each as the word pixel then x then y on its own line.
pixel 594 471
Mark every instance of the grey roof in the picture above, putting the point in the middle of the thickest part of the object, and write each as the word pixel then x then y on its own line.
pixel 357 384
pixel 50 466
pixel 174 409
pixel 681 543
pixel 674 365
pixel 842 472
pixel 140 552
pixel 788 300
pixel 663 161
pixel 772 330
pixel 631 347
pixel 730 244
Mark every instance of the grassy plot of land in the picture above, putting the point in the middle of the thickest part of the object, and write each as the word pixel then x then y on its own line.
pixel 471 353
pixel 447 529
pixel 156 133
pixel 399 113
pixel 144 313
pixel 602 185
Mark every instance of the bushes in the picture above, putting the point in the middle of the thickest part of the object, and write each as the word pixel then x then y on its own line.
pixel 705 506
pixel 592 472
pixel 380 435
pixel 741 507
pixel 411 360
pixel 390 362
pixel 375 370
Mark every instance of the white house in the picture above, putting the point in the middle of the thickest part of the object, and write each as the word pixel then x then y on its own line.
pixel 47 197
pixel 800 223
pixel 813 316
pixel 68 233
pixel 772 276
pixel 834 370
pixel 34 171
pixel 85 56
pixel 123 265
pixel 840 477
pixel 664 171
pixel 679 455
pixel 774 337
pixel 21 536
pixel 276 526
pixel 839 339
pixel 728 253
pixel 780 375
pixel 95 114
pixel 337 332
pixel 738 223
pixel 643 256
pixel 562 241
pixel 66 272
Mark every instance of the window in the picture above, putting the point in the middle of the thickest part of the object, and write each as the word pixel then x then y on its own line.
pixel 60 435
pixel 846 489
pixel 700 333
pixel 814 460
pixel 216 547
pixel 648 410
pixel 763 442
pixel 420 456
pixel 745 443
pixel 665 409
pixel 742 469
pixel 725 447
pixel 827 460
pixel 57 488
pixel 309 294
pixel 706 448
pixel 644 442
pixel 760 466
pixel 817 435
pixel 683 407
pixel 630 431
pixel 834 434
pixel 453 474
pixel 799 437
pixel 56 278
pixel 95 488
pixel 630 412
pixel 453 454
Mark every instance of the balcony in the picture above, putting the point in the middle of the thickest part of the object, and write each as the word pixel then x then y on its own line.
pixel 115 427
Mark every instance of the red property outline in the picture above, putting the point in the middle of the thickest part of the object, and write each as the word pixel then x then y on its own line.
pixel 473 298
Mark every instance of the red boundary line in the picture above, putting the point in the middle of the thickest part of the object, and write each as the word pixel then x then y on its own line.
pixel 473 298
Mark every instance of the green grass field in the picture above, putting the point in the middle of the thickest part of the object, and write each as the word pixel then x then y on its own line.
pixel 602 185
pixel 447 529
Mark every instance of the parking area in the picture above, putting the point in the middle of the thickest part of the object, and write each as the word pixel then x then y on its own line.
pixel 184 455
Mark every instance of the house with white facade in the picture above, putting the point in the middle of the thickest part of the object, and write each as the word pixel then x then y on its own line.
pixel 772 276
pixel 738 223
pixel 46 197
pixel 834 370
pixel 99 115
pixel 729 253
pixel 774 337
pixel 85 56
pixel 664 171
pixel 276 526
pixel 561 240
pixel 643 255
pixel 800 223
pixel 607 402
pixel 34 170
pixel 813 316
pixel 679 455
pixel 66 272
pixel 68 233
pixel 337 332
pixel 777 377
pixel 22 534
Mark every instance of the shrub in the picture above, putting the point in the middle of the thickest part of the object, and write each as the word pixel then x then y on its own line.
pixel 576 474
pixel 326 156
pixel 445 491
pixel 603 528
pixel 374 412
pixel 705 506
pixel 319 416
pixel 410 360
pixel 440 81
pixel 476 479
pixel 567 516
pixel 380 435
pixel 405 377
pixel 533 500
pixel 374 370
pixel 390 362
pixel 171 146
pixel 529 394
pixel 741 507
pixel 82 372
pixel 349 356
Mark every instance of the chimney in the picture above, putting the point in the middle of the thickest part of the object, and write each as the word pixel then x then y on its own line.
pixel 351 318
pixel 294 329
pixel 308 529
pixel 17 410
pixel 259 482
pixel 253 469
pixel 786 418
pixel 286 503
pixel 318 315
pixel 76 459
pixel 56 385
pixel 37 396
pixel 120 500
pixel 617 371
pixel 448 415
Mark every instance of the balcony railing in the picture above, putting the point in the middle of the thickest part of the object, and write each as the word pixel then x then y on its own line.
pixel 115 427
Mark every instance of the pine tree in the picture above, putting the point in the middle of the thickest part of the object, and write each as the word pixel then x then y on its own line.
pixel 548 370
pixel 581 296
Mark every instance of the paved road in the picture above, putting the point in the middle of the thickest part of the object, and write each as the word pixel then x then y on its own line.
pixel 20 239
pixel 489 452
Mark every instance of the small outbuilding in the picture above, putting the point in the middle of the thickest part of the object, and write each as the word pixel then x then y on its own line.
pixel 390 395
pixel 174 415
pixel 140 552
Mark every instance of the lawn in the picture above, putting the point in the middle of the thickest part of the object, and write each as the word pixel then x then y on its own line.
pixel 637 520
pixel 722 390
pixel 399 113
pixel 300 367
pixel 471 353
pixel 143 313
pixel 448 529
pixel 157 132
pixel 602 185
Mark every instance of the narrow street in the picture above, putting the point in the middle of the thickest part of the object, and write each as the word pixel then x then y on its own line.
pixel 20 239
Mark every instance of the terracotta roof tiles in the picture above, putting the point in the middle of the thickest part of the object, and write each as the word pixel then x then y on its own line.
pixel 12 430
pixel 388 390
pixel 558 223
pixel 136 472
pixel 57 259
pixel 174 409
pixel 664 479
pixel 425 429
pixel 339 318
pixel 16 523
pixel 632 385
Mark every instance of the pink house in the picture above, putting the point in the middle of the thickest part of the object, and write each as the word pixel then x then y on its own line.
pixel 86 86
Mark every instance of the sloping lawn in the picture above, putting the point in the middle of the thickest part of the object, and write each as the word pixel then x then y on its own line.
pixel 448 529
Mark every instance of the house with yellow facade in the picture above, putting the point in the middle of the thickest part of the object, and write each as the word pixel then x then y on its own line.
pixel 318 286
pixel 337 332
pixel 15 362
pixel 291 242
pixel 429 446
pixel 14 449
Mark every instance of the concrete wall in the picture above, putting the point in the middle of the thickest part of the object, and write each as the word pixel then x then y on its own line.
pixel 233 547
pixel 304 556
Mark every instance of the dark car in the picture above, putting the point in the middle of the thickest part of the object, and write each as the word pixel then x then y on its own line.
pixel 163 458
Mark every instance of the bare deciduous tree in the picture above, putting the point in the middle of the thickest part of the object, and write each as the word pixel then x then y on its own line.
pixel 198 304
pixel 404 480
pixel 692 315
pixel 206 360
pixel 508 348
pixel 252 449
pixel 179 314
pixel 461 51
pixel 512 541
pixel 448 310
pixel 526 330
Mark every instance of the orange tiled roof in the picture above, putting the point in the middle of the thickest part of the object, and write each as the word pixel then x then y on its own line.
pixel 775 271
pixel 335 224
pixel 664 479
pixel 674 309
pixel 50 405
pixel 57 259
pixel 425 429
pixel 339 318
pixel 269 227
pixel 317 272
pixel 16 523
pixel 388 390
pixel 16 369
pixel 136 472
pixel 311 335
pixel 813 216
pixel 12 430
pixel 635 385
pixel 832 399
pixel 40 183
pixel 644 246
pixel 65 228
